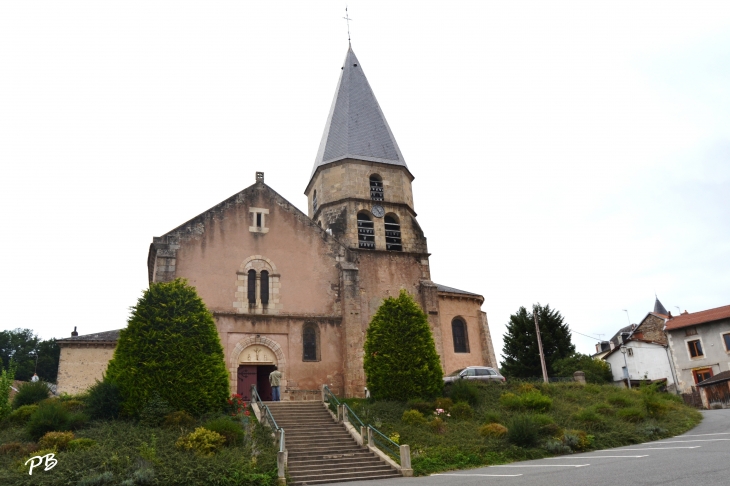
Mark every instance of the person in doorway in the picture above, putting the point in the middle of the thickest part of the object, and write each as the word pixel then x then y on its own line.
pixel 35 378
pixel 275 380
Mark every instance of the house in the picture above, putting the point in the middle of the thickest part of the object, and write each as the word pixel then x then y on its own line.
pixel 699 343
pixel 298 290
pixel 640 352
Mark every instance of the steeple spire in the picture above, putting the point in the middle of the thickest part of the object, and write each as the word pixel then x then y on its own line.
pixel 356 127
pixel 658 307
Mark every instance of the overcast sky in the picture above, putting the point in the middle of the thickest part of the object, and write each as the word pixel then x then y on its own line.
pixel 575 154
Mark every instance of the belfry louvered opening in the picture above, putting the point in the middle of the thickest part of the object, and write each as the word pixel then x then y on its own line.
pixel 365 232
pixel 376 187
pixel 314 202
pixel 392 234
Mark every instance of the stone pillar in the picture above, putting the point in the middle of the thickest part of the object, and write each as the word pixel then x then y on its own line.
pixel 430 304
pixel 352 327
pixel 405 460
pixel 580 377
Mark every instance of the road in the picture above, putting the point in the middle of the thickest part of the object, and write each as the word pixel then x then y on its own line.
pixel 700 457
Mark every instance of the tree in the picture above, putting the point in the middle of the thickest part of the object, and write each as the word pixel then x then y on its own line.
pixel 7 376
pixel 22 346
pixel 170 347
pixel 521 355
pixel 400 355
pixel 596 370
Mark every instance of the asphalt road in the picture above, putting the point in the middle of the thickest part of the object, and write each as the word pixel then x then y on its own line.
pixel 701 457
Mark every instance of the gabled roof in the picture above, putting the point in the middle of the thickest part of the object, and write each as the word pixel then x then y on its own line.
pixel 696 318
pixel 106 336
pixel 356 127
pixel 724 376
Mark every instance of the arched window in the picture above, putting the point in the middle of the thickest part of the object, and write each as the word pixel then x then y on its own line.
pixel 392 234
pixel 310 342
pixel 365 232
pixel 252 287
pixel 376 187
pixel 264 287
pixel 461 338
pixel 314 202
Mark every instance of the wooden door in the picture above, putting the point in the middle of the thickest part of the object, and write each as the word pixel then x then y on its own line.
pixel 246 377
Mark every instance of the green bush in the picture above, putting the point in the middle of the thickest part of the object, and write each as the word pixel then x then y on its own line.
pixel 51 416
pixel 497 431
pixel 80 443
pixel 536 401
pixel 231 431
pixel 178 419
pixel 444 403
pixel 426 408
pixel 462 411
pixel 631 414
pixel 588 415
pixel 551 430
pixel 413 417
pixel 201 441
pixel 577 440
pixel 6 381
pixel 56 440
pixel 554 446
pixel 492 418
pixel 464 391
pixel 22 414
pixel 154 411
pixel 541 419
pixel 619 400
pixel 400 358
pixel 596 370
pixel 17 448
pixel 103 400
pixel 98 479
pixel 522 431
pixel 170 346
pixel 31 393
pixel 437 425
pixel 73 405
pixel 510 401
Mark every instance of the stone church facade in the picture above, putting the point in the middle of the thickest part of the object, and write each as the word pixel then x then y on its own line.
pixel 298 290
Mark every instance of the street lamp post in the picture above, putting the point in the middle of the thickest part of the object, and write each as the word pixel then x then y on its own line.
pixel 626 365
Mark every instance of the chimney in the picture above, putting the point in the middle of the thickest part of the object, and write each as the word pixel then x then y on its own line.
pixel 74 333
pixel 685 312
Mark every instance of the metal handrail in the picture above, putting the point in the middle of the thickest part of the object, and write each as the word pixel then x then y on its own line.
pixel 391 447
pixel 378 438
pixel 351 414
pixel 269 417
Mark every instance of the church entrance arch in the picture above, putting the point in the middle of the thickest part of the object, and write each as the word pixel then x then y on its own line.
pixel 255 359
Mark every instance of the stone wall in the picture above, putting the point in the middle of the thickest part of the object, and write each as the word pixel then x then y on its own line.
pixel 79 366
pixel 467 308
pixel 652 329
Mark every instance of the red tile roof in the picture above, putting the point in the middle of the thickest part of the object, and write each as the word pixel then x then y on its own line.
pixel 710 315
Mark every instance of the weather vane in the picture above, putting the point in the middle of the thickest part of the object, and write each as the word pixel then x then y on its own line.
pixel 347 17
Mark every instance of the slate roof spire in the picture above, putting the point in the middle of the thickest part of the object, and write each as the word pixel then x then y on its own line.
pixel 356 127
pixel 659 308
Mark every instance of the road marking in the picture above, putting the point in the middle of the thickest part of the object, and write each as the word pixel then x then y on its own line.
pixel 548 465
pixel 703 435
pixel 482 475
pixel 594 457
pixel 679 441
pixel 655 448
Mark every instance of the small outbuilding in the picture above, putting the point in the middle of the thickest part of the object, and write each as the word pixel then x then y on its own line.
pixel 715 391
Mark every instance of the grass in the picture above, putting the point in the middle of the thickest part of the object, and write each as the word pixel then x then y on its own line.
pixel 545 420
pixel 126 451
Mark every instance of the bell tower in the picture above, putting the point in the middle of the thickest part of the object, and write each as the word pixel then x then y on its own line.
pixel 360 187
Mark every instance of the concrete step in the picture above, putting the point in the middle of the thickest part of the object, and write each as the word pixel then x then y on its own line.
pixel 355 459
pixel 336 478
pixel 323 453
pixel 333 467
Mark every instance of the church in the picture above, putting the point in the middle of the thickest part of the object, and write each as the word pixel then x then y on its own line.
pixel 296 290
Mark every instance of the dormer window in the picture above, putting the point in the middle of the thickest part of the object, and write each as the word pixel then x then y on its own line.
pixel 376 187
pixel 392 234
pixel 365 232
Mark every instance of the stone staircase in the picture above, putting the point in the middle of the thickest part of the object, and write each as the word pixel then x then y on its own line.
pixel 321 450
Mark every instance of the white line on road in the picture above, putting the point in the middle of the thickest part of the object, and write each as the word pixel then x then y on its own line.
pixel 703 435
pixel 548 465
pixel 594 457
pixel 482 475
pixel 678 441
pixel 654 448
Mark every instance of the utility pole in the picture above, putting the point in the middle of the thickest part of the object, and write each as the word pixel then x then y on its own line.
pixel 539 346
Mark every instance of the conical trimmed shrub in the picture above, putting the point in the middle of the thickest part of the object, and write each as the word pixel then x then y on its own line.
pixel 170 347
pixel 400 359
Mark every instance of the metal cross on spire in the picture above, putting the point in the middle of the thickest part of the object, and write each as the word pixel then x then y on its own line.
pixel 347 17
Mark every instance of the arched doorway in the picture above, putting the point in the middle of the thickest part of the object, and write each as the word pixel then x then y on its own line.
pixel 255 363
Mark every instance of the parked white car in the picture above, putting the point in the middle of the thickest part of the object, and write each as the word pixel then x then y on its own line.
pixel 480 373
